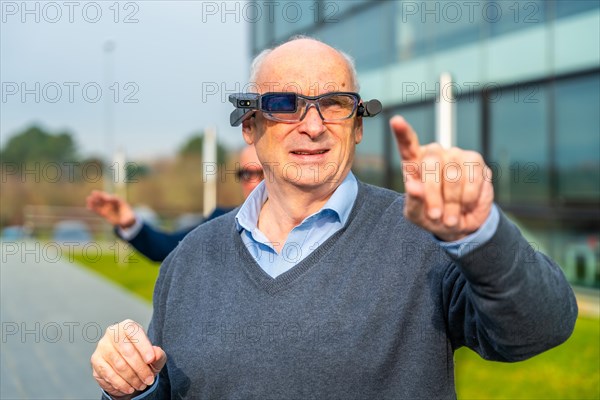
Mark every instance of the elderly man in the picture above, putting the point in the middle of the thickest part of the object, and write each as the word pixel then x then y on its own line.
pixel 321 286
pixel 157 244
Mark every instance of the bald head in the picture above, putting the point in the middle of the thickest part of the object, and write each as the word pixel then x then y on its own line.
pixel 304 65
pixel 248 156
pixel 311 145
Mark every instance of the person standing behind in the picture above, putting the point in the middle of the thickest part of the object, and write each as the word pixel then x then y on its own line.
pixel 154 243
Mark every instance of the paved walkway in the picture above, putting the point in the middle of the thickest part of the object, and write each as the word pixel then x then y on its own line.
pixel 52 314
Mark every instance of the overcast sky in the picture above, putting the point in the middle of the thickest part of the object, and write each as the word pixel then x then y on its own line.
pixel 170 71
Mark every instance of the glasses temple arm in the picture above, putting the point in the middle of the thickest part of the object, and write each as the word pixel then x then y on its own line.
pixel 370 108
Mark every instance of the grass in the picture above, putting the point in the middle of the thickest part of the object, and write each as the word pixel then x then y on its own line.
pixel 570 371
pixel 124 266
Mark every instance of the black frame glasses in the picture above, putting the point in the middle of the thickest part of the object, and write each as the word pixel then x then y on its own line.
pixel 291 107
pixel 250 175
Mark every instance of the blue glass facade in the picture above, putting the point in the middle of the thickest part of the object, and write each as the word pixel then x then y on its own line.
pixel 527 86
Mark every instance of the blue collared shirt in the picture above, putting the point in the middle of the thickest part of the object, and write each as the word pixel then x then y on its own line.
pixel 304 238
pixel 320 226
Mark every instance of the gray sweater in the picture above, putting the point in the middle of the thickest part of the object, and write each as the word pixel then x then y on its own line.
pixel 375 312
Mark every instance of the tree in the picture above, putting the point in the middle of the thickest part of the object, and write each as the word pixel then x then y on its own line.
pixel 36 145
pixel 194 146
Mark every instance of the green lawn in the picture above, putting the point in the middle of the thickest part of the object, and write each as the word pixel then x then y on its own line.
pixel 124 266
pixel 571 371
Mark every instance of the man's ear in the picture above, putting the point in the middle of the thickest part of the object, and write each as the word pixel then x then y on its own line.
pixel 358 130
pixel 249 129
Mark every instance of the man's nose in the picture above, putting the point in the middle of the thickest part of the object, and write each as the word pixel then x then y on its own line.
pixel 312 124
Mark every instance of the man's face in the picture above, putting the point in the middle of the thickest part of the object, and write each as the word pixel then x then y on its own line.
pixel 250 176
pixel 251 172
pixel 308 154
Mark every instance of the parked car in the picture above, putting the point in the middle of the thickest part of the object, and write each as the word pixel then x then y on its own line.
pixel 15 232
pixel 72 232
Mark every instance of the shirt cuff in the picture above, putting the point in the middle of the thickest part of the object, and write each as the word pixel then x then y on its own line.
pixel 142 395
pixel 132 231
pixel 464 246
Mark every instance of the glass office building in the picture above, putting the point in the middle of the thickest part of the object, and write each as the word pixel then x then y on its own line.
pixel 526 89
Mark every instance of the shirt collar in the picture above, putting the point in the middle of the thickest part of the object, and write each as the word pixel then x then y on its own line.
pixel 340 203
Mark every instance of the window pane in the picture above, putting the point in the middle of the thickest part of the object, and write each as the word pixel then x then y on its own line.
pixel 508 16
pixel 565 8
pixel 468 123
pixel 260 27
pixel 411 34
pixel 293 17
pixel 422 119
pixel 456 25
pixel 333 9
pixel 369 163
pixel 365 36
pixel 578 140
pixel 519 145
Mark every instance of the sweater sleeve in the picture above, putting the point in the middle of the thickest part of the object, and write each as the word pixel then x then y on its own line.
pixel 507 301
pixel 155 244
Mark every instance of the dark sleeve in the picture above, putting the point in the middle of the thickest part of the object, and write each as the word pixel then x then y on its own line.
pixel 217 212
pixel 155 244
pixel 507 301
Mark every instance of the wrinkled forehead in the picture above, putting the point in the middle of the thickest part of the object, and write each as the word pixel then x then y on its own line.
pixel 311 74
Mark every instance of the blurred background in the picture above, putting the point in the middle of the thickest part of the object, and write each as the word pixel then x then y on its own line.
pixel 119 96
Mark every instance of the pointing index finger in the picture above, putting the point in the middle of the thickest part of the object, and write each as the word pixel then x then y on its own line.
pixel 406 138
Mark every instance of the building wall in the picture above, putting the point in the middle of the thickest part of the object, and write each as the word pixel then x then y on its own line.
pixel 526 78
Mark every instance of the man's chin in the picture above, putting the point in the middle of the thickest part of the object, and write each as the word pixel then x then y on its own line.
pixel 315 182
pixel 310 187
pixel 314 174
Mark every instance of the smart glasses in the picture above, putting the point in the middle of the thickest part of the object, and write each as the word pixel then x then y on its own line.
pixel 250 175
pixel 290 107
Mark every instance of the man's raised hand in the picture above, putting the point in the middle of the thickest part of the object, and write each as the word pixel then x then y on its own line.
pixel 112 208
pixel 449 192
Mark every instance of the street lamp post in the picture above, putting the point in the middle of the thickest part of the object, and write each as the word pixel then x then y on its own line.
pixel 108 178
pixel 109 47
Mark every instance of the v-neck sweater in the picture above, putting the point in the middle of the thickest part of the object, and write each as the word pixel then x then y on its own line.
pixel 376 311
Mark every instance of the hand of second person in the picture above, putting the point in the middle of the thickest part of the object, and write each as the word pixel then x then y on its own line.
pixel 113 209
